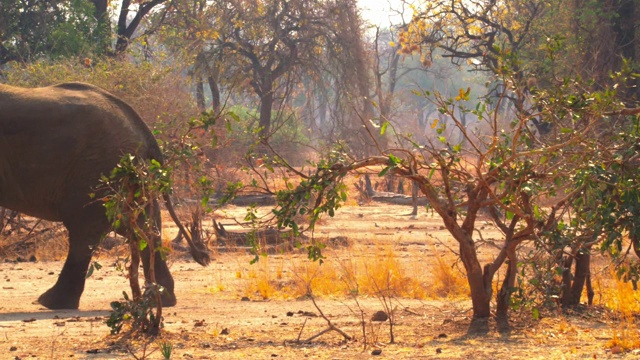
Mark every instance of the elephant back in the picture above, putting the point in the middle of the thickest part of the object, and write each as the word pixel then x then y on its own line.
pixel 56 142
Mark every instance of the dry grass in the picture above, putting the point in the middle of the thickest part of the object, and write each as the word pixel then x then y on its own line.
pixel 377 271
pixel 624 303
pixel 448 280
pixel 45 240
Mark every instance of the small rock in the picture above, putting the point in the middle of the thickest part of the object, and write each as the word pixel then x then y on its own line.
pixel 307 313
pixel 245 298
pixel 289 313
pixel 442 336
pixel 438 351
pixel 224 331
pixel 616 350
pixel 376 352
pixel 13 348
pixel 379 316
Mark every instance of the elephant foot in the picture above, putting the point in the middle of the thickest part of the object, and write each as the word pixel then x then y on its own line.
pixel 168 299
pixel 55 300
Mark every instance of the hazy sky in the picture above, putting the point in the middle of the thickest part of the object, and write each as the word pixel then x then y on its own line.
pixel 380 12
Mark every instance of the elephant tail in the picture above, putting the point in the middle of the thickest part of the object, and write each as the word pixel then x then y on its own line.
pixel 198 251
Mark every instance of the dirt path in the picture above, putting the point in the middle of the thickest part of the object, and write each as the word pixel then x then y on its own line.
pixel 213 321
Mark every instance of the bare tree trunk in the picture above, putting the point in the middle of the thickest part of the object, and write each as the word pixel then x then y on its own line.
pixel 582 275
pixel 503 300
pixel 134 266
pixel 565 298
pixel 414 198
pixel 200 93
pixel 215 93
pixel 480 297
pixel 266 105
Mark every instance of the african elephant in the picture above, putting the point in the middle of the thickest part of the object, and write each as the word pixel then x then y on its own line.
pixel 55 143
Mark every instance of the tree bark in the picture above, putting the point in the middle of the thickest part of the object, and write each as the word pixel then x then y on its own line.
pixel 266 105
pixel 503 300
pixel 125 28
pixel 200 93
pixel 215 93
pixel 565 298
pixel 582 275
pixel 480 291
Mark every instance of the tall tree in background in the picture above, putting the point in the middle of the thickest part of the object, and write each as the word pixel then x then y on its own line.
pixel 50 28
pixel 55 28
pixel 273 41
pixel 271 49
pixel 130 17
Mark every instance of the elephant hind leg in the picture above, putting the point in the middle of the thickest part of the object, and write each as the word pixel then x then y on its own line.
pixel 161 270
pixel 162 275
pixel 66 292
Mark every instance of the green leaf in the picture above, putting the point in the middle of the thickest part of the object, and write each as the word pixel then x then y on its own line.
pixel 566 131
pixel 510 215
pixel 384 171
pixel 383 128
pixel 394 160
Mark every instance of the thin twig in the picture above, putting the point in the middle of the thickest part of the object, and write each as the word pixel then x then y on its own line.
pixel 331 326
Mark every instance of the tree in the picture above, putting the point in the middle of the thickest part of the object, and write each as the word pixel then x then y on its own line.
pixel 33 29
pixel 524 182
pixel 279 51
pixel 126 25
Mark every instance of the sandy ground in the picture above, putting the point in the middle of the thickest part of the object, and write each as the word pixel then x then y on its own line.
pixel 213 321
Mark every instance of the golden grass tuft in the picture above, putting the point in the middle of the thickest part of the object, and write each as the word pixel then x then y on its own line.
pixel 448 280
pixel 387 276
pixel 624 302
pixel 366 272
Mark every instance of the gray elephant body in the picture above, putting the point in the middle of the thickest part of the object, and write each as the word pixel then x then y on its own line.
pixel 55 143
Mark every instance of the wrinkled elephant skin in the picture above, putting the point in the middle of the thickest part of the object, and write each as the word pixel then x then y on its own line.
pixel 55 143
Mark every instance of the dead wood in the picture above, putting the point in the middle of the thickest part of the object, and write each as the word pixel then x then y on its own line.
pixel 265 239
pixel 367 192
